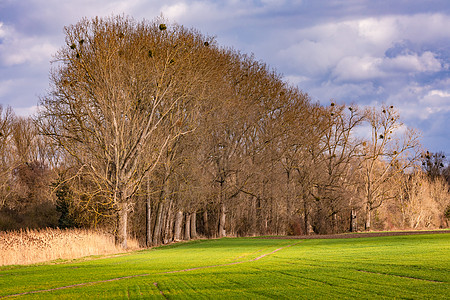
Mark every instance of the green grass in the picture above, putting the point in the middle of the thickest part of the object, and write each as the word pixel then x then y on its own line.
pixel 403 267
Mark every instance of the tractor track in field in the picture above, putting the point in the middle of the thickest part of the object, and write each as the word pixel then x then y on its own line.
pixel 145 275
pixel 160 291
pixel 73 286
pixel 355 235
pixel 233 263
pixel 400 276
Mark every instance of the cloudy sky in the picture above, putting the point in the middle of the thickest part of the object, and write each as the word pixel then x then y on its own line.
pixel 354 51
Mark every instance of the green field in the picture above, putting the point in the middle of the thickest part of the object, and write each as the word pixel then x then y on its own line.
pixel 404 267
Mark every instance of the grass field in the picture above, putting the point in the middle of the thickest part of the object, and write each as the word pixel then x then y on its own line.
pixel 403 267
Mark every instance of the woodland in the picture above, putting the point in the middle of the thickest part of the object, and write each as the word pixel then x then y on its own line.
pixel 153 130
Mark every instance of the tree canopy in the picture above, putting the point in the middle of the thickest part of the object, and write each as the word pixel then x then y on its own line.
pixel 154 129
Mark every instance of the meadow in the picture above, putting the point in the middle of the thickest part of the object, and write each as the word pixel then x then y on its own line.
pixel 404 267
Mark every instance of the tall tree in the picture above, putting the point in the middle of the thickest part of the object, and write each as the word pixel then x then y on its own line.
pixel 6 160
pixel 391 150
pixel 113 95
pixel 340 151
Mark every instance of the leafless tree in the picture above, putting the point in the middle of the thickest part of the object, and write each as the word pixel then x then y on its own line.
pixel 434 163
pixel 388 152
pixel 340 150
pixel 113 99
pixel 7 161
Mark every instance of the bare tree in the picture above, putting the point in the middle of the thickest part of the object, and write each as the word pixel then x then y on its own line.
pixel 115 88
pixel 302 155
pixel 389 152
pixel 341 147
pixel 419 202
pixel 434 163
pixel 6 165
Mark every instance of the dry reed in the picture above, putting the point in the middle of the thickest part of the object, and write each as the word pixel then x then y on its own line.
pixel 34 246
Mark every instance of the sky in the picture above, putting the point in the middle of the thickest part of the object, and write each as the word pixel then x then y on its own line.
pixel 365 52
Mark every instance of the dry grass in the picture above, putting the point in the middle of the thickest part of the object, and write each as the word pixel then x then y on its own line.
pixel 34 246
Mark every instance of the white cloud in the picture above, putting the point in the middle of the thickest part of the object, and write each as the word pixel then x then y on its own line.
pixel 419 103
pixel 198 11
pixel 344 92
pixel 423 28
pixel 353 68
pixel 175 11
pixel 362 43
pixel 358 68
pixel 426 62
pixel 441 94
pixel 318 49
pixel 376 31
pixel 26 51
pixel 17 48
pixel 25 111
pixel 436 101
pixel 296 80
pixel 213 15
pixel 6 86
pixel 2 30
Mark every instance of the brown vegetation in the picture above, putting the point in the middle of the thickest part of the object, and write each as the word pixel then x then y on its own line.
pixel 34 246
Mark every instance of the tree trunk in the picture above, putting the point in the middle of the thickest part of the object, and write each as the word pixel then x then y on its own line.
pixel 206 223
pixel 251 216
pixel 369 198
pixel 178 224
pixel 368 218
pixel 287 220
pixel 169 219
pixel 334 222
pixel 148 212
pixel 353 221
pixel 171 225
pixel 193 225
pixel 305 215
pixel 161 216
pixel 275 208
pixel 256 215
pixel 222 218
pixel 187 229
pixel 122 222
pixel 158 224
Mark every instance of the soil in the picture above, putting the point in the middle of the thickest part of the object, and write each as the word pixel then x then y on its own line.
pixel 357 234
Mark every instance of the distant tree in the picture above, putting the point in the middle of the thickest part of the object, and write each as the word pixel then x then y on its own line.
pixel 305 124
pixel 24 140
pixel 434 164
pixel 388 152
pixel 336 185
pixel 446 174
pixel 447 213
pixel 6 158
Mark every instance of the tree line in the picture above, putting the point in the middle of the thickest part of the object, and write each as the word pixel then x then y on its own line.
pixel 155 130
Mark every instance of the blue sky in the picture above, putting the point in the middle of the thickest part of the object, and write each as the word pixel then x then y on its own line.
pixel 354 51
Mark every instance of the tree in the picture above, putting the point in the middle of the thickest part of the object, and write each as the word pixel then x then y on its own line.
pixel 388 152
pixel 113 93
pixel 26 198
pixel 6 160
pixel 303 151
pixel 336 185
pixel 433 163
